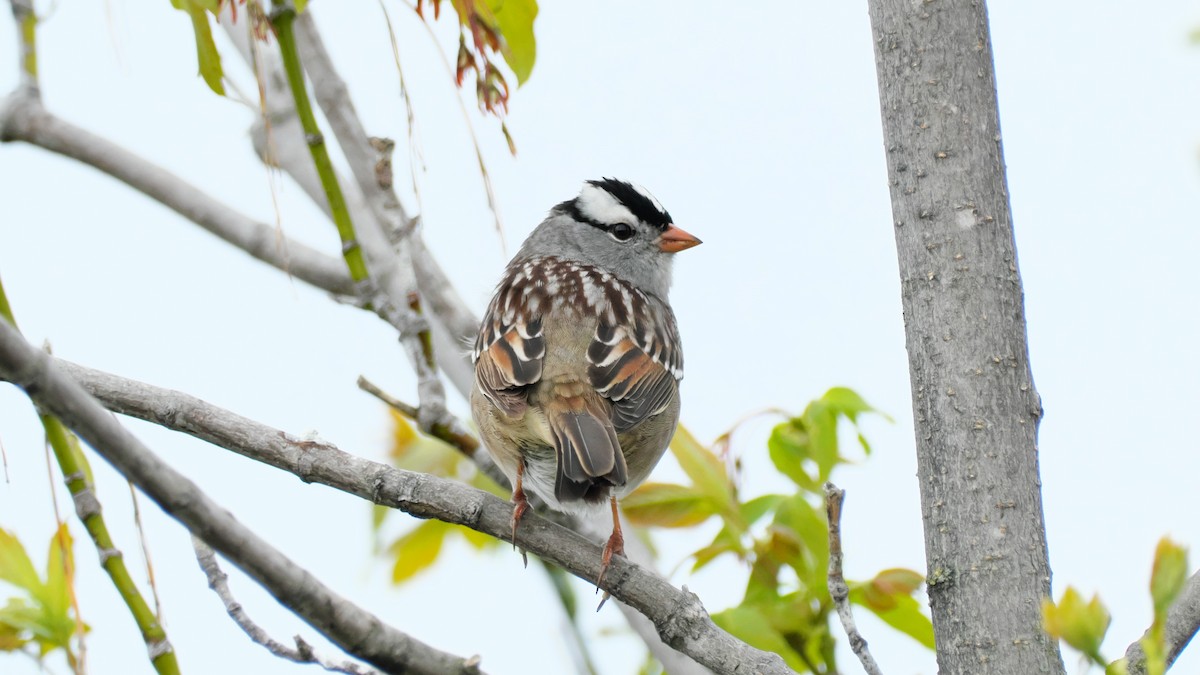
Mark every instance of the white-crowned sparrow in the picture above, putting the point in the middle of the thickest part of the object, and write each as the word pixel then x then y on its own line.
pixel 578 361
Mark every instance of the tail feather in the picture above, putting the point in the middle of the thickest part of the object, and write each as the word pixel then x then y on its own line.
pixel 589 455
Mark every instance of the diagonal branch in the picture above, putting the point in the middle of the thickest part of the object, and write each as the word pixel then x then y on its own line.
pixel 279 141
pixel 678 616
pixel 347 625
pixel 1183 621
pixel 303 652
pixel 23 118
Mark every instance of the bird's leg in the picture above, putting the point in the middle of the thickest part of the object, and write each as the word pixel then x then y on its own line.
pixel 520 506
pixel 615 545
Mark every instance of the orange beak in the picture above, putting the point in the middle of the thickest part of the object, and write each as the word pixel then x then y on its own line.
pixel 675 240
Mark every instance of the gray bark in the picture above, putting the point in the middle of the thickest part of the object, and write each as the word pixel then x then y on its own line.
pixel 1183 620
pixel 355 630
pixel 975 407
pixel 65 388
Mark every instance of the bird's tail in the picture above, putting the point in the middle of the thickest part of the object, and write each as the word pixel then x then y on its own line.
pixel 590 461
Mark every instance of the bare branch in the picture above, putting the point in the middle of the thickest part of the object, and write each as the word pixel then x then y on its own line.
pixel 303 652
pixel 838 590
pixel 465 443
pixel 1183 620
pixel 678 616
pixel 347 625
pixel 24 119
pixel 279 141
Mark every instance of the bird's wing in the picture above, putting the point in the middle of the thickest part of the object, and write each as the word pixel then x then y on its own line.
pixel 636 361
pixel 509 351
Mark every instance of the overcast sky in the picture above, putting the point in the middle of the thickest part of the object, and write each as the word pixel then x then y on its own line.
pixel 757 126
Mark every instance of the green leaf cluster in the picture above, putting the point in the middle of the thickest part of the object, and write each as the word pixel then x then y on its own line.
pixel 1083 625
pixel 417 549
pixel 782 538
pixel 40 620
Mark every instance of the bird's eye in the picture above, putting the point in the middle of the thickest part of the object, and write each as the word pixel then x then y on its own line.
pixel 621 231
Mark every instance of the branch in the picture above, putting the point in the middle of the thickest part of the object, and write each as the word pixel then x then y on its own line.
pixel 303 652
pixel 678 616
pixel 1183 620
pixel 24 119
pixel 77 477
pixel 347 625
pixel 278 139
pixel 838 590
pixel 385 238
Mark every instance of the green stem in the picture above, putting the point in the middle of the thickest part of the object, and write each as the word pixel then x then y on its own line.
pixel 77 474
pixel 283 15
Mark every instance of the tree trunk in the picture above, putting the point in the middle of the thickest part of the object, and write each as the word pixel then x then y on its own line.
pixel 975 408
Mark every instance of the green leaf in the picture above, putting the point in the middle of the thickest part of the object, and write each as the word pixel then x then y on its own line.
pixel 821 422
pixel 901 611
pixel 724 542
pixel 666 505
pixel 706 470
pixel 846 402
pixel 206 48
pixel 10 638
pixel 762 588
pixel 21 616
pixel 60 564
pixel 788 447
pixel 15 566
pixel 898 581
pixel 514 18
pixel 758 507
pixel 48 630
pixel 798 516
pixel 1079 624
pixel 418 549
pixel 1168 576
pixel 752 627
pixel 47 619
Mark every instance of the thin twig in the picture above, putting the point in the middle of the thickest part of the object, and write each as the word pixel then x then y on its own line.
pixel 453 322
pixel 303 652
pixel 483 171
pixel 390 256
pixel 465 443
pixel 678 615
pixel 838 590
pixel 142 541
pixel 415 156
pixel 347 625
pixel 1183 621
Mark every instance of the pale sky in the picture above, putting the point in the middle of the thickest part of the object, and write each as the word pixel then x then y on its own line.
pixel 757 126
